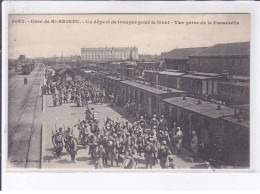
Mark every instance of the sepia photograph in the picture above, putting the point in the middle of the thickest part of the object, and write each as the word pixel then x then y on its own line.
pixel 128 91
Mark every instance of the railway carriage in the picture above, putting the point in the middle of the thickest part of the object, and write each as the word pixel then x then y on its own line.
pixel 148 96
pixel 27 68
pixel 222 137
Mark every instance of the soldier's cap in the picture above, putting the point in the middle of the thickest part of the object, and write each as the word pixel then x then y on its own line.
pixel 148 148
pixel 115 135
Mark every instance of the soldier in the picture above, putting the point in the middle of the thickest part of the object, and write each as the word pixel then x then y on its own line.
pixel 170 162
pixel 154 122
pixel 150 154
pixel 153 132
pixel 194 144
pixel 55 100
pixel 97 158
pixel 164 152
pixel 102 155
pixel 84 135
pixel 113 146
pixel 173 132
pixel 178 140
pixel 139 111
pixel 142 123
pixel 112 99
pixel 127 109
pixel 92 141
pixel 162 123
pixel 57 140
pixel 60 99
pixel 73 147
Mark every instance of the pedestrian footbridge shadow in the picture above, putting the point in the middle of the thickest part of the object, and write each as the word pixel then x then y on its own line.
pixel 49 149
pixel 63 161
pixel 82 159
pixel 200 166
pixel 48 158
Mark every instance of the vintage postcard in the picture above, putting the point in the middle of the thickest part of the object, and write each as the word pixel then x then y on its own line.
pixel 128 91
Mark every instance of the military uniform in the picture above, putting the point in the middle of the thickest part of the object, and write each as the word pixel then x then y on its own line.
pixel 57 141
pixel 150 154
pixel 113 150
pixel 163 153
pixel 73 147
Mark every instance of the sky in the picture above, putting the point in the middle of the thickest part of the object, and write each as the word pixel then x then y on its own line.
pixel 151 34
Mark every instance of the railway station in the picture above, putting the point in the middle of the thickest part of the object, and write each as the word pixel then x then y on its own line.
pixel 127 114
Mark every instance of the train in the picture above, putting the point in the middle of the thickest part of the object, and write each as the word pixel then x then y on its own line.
pixel 213 122
pixel 220 87
pixel 27 68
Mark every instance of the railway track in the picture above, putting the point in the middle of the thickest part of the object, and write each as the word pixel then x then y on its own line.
pixel 20 139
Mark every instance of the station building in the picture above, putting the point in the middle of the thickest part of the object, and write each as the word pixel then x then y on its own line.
pixel 233 58
pixel 178 58
pixel 109 54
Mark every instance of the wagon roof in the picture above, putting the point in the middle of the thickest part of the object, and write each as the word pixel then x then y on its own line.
pixel 206 74
pixel 239 84
pixel 171 73
pixel 114 78
pixel 151 71
pixel 232 119
pixel 196 77
pixel 150 88
pixel 208 109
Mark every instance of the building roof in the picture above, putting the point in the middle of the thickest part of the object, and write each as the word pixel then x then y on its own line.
pixel 207 109
pixel 108 48
pixel 171 73
pixel 227 49
pixel 181 53
pixel 239 84
pixel 150 88
pixel 196 77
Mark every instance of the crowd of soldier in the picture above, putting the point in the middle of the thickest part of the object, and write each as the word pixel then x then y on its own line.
pixel 116 140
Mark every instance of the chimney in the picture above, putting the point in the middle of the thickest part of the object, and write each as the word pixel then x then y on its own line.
pixel 184 98
pixel 219 107
pixel 199 102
